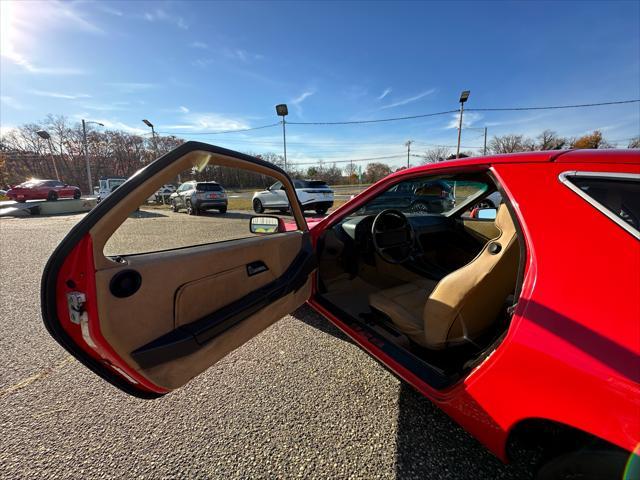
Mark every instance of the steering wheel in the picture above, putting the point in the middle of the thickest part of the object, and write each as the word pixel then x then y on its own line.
pixel 393 237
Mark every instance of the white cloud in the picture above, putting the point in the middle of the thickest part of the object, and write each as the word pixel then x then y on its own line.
pixel 21 24
pixel 202 62
pixel 406 101
pixel 183 109
pixel 131 87
pixel 11 102
pixel 242 55
pixel 65 96
pixel 106 107
pixel 468 119
pixel 296 102
pixel 206 121
pixel 107 9
pixel 159 15
pixel 197 44
pixel 386 92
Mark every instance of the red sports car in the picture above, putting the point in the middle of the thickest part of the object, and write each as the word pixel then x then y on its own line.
pixel 522 322
pixel 43 190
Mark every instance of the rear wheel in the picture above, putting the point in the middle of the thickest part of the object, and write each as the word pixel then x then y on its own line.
pixel 257 206
pixel 223 210
pixel 76 194
pixel 52 196
pixel 191 210
pixel 590 464
pixel 321 211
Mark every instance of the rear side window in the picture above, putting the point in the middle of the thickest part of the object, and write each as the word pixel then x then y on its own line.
pixel 208 187
pixel 616 195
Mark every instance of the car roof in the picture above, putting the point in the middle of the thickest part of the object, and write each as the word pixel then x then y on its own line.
pixel 629 156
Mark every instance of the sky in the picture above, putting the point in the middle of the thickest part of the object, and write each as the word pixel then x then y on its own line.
pixel 195 67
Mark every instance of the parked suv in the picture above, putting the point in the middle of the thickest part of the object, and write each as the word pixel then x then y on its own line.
pixel 196 196
pixel 313 195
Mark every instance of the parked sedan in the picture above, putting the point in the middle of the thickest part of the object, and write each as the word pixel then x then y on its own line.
pixel 50 190
pixel 521 325
pixel 195 197
pixel 312 194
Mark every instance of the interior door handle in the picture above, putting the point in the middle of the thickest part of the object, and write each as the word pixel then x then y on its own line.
pixel 254 268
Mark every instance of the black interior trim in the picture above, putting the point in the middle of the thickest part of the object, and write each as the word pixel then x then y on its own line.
pixel 189 338
pixel 82 228
pixel 430 374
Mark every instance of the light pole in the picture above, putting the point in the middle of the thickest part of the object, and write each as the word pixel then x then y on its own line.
pixel 463 98
pixel 45 135
pixel 153 135
pixel 86 151
pixel 283 111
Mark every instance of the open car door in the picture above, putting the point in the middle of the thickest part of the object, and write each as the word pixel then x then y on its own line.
pixel 149 320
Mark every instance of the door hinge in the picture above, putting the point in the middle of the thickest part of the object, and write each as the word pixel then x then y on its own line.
pixel 78 315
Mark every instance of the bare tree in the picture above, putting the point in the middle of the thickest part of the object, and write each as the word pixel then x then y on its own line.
pixel 436 154
pixel 509 144
pixel 550 140
pixel 634 143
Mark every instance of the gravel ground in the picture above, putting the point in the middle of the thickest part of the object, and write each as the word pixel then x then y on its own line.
pixel 299 400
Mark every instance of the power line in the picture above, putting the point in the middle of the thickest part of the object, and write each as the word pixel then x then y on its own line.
pixel 552 107
pixel 499 109
pixel 393 119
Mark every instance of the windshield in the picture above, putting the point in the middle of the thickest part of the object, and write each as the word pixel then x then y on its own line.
pixel 426 195
pixel 30 184
pixel 208 187
pixel 310 184
pixel 116 183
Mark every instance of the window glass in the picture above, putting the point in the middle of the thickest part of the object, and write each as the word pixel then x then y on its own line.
pixel 426 195
pixel 621 196
pixel 218 210
pixel 276 186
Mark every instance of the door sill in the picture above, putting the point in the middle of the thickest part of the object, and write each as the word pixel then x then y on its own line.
pixel 398 360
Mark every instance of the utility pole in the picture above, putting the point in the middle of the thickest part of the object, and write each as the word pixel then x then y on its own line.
pixel 408 145
pixel 463 98
pixel 485 141
pixel 86 152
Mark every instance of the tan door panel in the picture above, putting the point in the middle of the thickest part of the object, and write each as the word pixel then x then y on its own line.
pixel 181 286
pixel 482 229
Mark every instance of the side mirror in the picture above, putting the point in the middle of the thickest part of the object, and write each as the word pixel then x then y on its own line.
pixel 484 213
pixel 266 225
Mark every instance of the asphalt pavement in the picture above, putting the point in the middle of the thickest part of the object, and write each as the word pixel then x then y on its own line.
pixel 298 401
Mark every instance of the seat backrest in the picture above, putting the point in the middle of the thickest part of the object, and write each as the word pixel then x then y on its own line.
pixel 467 301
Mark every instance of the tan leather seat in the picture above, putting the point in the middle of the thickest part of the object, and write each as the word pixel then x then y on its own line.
pixel 464 303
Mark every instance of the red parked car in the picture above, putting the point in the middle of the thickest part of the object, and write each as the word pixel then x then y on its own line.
pixel 521 322
pixel 43 190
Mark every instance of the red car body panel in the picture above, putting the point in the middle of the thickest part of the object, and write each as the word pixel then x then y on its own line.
pixel 572 351
pixel 40 192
